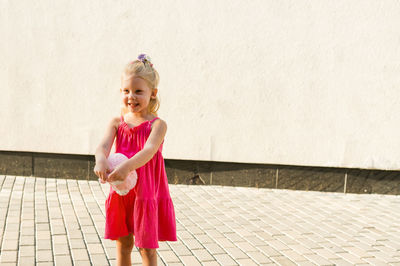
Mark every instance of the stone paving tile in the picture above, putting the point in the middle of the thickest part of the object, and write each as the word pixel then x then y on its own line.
pixel 269 251
pixel 45 263
pixel 214 248
pixel 62 260
pixel 8 256
pixel 61 221
pixel 236 253
pixel 99 259
pixel 225 259
pixel 293 255
pixel 190 260
pixel 10 245
pixel 202 255
pixel 224 242
pixel 306 263
pixel 79 254
pixel 82 263
pixel 326 254
pixel 26 261
pixel 282 260
pixel 204 239
pixel 180 249
pixel 247 262
pixel 44 255
pixel 163 245
pixel 210 263
pixel 61 249
pixel 192 244
pixel 317 259
pixel 27 240
pixel 43 244
pixel 169 256
pixel 259 257
pixel 26 251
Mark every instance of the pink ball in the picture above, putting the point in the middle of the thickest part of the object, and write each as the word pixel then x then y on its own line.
pixel 122 187
pixel 116 159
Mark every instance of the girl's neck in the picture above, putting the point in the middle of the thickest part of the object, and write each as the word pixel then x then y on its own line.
pixel 138 116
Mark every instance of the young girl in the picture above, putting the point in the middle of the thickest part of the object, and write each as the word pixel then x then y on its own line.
pixel 146 214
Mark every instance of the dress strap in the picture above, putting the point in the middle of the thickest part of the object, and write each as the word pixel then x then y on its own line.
pixel 151 122
pixel 122 118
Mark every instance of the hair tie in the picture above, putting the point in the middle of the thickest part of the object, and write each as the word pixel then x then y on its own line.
pixel 145 58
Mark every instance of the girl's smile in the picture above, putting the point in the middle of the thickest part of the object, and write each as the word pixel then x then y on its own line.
pixel 133 104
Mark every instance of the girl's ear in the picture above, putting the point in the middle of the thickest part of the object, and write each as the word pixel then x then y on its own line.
pixel 154 93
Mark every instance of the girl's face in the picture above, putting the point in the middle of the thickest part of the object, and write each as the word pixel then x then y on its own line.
pixel 136 95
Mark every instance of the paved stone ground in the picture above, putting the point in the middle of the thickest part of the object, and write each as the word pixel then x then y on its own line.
pixel 58 221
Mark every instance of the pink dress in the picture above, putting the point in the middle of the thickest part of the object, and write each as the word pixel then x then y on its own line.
pixel 147 210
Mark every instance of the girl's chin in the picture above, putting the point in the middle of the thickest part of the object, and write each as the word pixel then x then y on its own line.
pixel 134 110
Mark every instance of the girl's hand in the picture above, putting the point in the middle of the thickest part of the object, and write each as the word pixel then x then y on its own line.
pixel 119 173
pixel 102 169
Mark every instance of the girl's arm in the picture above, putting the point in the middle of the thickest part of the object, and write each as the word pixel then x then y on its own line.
pixel 151 146
pixel 101 168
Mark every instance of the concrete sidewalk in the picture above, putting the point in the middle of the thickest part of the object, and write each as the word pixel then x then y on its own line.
pixel 47 221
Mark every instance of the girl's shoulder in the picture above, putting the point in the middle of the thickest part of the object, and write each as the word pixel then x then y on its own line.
pixel 158 123
pixel 115 121
pixel 157 120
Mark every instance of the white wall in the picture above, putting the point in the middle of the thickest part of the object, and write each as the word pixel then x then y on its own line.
pixel 281 82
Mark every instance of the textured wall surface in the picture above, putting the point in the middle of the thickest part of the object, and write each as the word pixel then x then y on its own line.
pixel 278 82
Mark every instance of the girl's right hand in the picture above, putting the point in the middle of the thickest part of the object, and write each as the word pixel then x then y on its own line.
pixel 102 169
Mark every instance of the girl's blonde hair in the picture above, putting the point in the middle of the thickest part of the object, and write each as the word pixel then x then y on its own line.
pixel 143 68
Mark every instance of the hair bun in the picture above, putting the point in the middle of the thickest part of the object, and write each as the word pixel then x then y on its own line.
pixel 145 58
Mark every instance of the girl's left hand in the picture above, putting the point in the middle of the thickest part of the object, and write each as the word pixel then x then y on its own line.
pixel 119 173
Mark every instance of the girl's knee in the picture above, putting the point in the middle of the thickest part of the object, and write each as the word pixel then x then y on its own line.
pixel 149 252
pixel 125 248
pixel 125 244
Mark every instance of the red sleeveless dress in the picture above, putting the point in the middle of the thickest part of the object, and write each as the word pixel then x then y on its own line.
pixel 147 210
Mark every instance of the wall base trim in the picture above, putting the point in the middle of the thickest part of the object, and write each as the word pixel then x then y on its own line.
pixel 329 179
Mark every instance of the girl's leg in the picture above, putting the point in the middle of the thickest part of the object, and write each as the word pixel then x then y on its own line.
pixel 124 250
pixel 149 256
